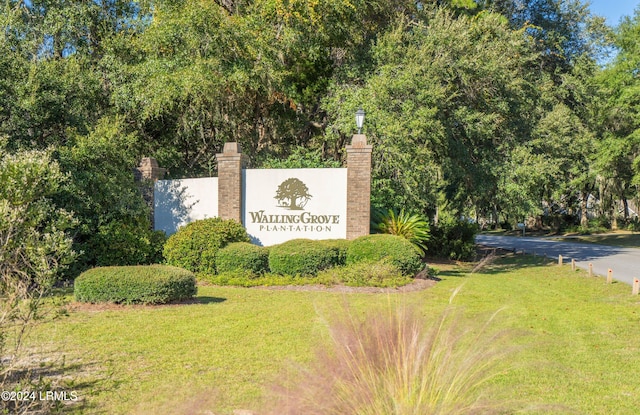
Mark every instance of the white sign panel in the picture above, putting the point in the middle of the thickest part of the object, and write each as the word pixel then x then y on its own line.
pixel 178 202
pixel 284 204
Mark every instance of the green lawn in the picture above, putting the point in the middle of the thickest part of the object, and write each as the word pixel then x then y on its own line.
pixel 627 239
pixel 578 342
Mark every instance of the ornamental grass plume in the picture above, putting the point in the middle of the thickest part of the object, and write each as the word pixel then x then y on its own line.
pixel 400 363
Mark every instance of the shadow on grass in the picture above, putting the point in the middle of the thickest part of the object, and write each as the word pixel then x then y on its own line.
pixel 58 387
pixel 495 264
pixel 453 273
pixel 208 300
pixel 512 262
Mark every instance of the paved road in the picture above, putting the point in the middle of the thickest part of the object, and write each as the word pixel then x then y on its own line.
pixel 625 262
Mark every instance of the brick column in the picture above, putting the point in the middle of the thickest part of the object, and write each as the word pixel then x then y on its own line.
pixel 358 186
pixel 149 170
pixel 146 175
pixel 230 182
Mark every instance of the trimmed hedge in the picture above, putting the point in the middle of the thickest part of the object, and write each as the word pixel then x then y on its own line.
pixel 302 257
pixel 243 256
pixel 340 245
pixel 397 250
pixel 142 284
pixel 195 245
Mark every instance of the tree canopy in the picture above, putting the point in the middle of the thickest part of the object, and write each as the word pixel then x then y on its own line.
pixel 495 109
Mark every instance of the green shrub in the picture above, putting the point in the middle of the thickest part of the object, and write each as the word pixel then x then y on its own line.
pixel 113 226
pixel 397 250
pixel 152 284
pixel 633 225
pixel 302 257
pixel 243 256
pixel 365 274
pixel 340 246
pixel 195 245
pixel 121 244
pixel 453 239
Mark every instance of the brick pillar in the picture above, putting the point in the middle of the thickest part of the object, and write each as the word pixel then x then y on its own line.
pixel 230 182
pixel 358 187
pixel 149 170
pixel 146 175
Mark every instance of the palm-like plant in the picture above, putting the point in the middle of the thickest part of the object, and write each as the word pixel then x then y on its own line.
pixel 413 227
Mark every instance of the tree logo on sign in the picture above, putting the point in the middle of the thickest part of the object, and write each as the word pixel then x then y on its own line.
pixel 292 194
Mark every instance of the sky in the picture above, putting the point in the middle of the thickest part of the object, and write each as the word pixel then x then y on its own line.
pixel 613 10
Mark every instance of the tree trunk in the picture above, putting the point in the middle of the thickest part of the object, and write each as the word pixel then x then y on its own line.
pixel 584 219
pixel 625 204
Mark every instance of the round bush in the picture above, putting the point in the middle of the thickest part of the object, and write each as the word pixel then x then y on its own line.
pixel 243 256
pixel 303 257
pixel 397 250
pixel 195 245
pixel 142 284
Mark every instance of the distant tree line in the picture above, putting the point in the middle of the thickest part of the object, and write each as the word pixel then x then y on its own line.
pixel 487 109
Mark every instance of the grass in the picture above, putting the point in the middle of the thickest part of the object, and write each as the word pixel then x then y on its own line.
pixel 577 337
pixel 621 238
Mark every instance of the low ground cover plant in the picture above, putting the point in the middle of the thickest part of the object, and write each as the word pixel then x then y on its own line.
pixel 143 284
pixel 195 245
pixel 365 274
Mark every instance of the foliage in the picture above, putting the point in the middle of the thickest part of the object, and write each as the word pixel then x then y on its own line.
pixel 302 257
pixel 114 226
pixel 395 249
pixel 241 278
pixel 35 248
pixel 454 239
pixel 195 245
pixel 341 246
pixel 634 225
pixel 413 228
pixel 444 94
pixel 300 158
pixel 618 153
pixel 243 256
pixel 366 274
pixel 488 108
pixel 561 30
pixel 398 362
pixel 152 284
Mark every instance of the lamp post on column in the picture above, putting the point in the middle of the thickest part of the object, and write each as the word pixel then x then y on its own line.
pixel 360 120
pixel 358 182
